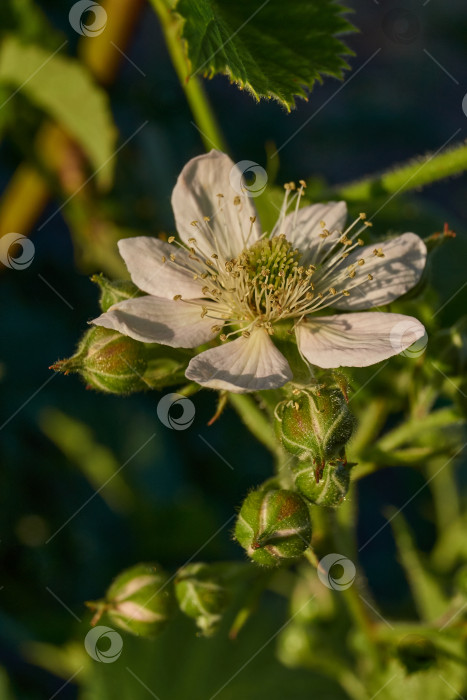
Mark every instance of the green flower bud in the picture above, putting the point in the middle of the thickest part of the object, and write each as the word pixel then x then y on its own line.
pixel 273 526
pixel 202 595
pixel 108 361
pixel 315 425
pixel 111 292
pixel 140 601
pixel 332 486
pixel 449 348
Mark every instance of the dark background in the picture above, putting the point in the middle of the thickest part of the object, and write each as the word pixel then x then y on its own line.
pixel 176 493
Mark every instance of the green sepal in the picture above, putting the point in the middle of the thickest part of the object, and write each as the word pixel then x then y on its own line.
pixel 328 488
pixel 273 526
pixel 114 291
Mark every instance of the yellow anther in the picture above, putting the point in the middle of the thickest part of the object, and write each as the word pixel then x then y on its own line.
pixel 361 261
pixel 171 239
pixel 177 297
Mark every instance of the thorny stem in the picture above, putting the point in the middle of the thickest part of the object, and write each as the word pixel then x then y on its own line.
pixel 408 176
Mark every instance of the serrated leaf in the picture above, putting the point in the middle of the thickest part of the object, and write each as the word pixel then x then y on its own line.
pixel 271 48
pixel 64 89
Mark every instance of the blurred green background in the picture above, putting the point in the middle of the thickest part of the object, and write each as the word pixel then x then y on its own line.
pixel 63 534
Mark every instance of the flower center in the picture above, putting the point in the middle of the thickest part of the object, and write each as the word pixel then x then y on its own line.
pixel 272 281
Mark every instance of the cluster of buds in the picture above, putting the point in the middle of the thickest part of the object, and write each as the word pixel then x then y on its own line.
pixel 314 425
pixel 140 601
pixel 143 599
pixel 114 363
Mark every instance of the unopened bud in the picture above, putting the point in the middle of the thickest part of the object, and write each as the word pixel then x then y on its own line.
pixel 202 595
pixel 449 348
pixel 112 292
pixel 108 361
pixel 140 601
pixel 325 486
pixel 315 425
pixel 273 526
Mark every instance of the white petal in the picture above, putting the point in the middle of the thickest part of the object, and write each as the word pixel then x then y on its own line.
pixel 302 228
pixel 393 275
pixel 242 365
pixel 357 340
pixel 195 197
pixel 143 257
pixel 156 320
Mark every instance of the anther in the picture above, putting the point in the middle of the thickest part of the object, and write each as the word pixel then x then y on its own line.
pixel 171 239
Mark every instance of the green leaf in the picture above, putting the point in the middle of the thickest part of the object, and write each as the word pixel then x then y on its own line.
pixel 429 598
pixel 272 49
pixel 64 89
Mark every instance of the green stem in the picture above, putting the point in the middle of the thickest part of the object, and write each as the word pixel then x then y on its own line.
pixel 192 86
pixel 409 176
pixel 370 423
pixel 255 420
pixel 406 432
